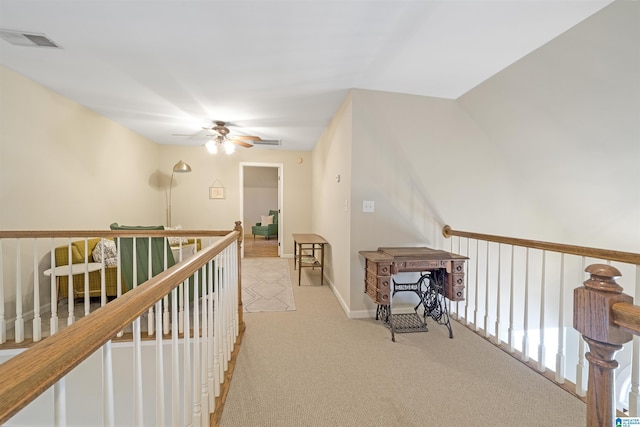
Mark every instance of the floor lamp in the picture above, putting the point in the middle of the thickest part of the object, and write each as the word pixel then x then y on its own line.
pixel 180 167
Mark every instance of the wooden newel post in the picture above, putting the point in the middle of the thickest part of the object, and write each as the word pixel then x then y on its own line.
pixel 593 318
pixel 238 227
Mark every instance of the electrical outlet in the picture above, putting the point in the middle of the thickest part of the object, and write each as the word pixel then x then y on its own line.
pixel 368 206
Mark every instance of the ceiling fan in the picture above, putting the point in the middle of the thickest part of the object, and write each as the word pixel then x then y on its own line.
pixel 222 140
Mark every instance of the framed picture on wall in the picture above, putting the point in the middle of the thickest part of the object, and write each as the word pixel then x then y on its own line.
pixel 216 192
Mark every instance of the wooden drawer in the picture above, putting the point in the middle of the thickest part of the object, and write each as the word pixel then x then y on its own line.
pixel 421 265
pixel 454 293
pixel 378 297
pixel 458 267
pixel 381 269
pixel 380 283
pixel 454 289
pixel 378 288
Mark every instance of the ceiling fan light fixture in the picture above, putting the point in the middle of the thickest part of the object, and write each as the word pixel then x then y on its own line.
pixel 229 148
pixel 211 146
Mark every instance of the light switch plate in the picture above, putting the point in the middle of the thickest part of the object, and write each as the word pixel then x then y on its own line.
pixel 368 206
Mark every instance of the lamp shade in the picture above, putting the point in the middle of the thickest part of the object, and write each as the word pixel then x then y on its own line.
pixel 181 167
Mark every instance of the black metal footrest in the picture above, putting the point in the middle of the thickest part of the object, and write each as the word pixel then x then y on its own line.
pixel 406 323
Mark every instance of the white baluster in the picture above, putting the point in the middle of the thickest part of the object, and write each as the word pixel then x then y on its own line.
pixel 210 345
pixel 217 327
pixel 634 393
pixel 229 300
pixel 541 346
pixel 497 326
pixel 525 336
pixel 108 396
pixel 204 346
pixel 197 408
pixel 225 313
pixel 186 391
pixel 475 308
pixel 223 307
pixel 159 370
pixel 19 323
pixel 511 338
pixel 3 321
pixel 582 373
pixel 560 358
pixel 119 275
pixel 457 302
pixel 181 309
pixel 37 321
pixel 60 402
pixel 233 256
pixel 138 406
pixel 165 317
pixel 175 361
pixel 70 289
pixel 486 297
pixel 103 278
pixel 466 285
pixel 150 318
pixel 87 298
pixel 53 323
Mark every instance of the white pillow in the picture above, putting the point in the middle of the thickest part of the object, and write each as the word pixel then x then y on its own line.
pixel 110 252
pixel 266 220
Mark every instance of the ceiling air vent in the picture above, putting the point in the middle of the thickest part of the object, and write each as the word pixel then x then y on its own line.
pixel 23 38
pixel 268 142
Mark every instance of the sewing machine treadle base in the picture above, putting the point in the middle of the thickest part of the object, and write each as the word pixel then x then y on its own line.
pixel 402 323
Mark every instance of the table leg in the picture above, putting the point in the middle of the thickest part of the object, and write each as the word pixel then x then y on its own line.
pixel 322 265
pixel 299 265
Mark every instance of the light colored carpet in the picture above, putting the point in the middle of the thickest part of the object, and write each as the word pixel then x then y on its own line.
pixel 316 367
pixel 266 285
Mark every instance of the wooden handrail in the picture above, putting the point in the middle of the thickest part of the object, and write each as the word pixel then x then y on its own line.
pixel 39 234
pixel 604 254
pixel 627 315
pixel 28 374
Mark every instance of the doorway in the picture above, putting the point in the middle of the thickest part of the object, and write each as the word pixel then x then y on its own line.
pixel 261 192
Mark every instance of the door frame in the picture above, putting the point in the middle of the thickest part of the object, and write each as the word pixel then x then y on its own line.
pixel 280 198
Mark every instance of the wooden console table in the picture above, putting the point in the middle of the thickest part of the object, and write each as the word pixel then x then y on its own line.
pixel 445 277
pixel 308 242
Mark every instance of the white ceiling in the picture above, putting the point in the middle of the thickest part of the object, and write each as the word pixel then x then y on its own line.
pixel 276 69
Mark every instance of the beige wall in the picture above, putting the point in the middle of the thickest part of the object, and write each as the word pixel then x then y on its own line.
pixel 567 120
pixel 62 166
pixel 425 164
pixel 193 209
pixel 332 203
pixel 548 149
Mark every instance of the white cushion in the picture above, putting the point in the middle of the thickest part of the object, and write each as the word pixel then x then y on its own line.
pixel 266 220
pixel 110 252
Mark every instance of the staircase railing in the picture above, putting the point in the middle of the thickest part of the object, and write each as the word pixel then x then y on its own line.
pixel 199 359
pixel 519 296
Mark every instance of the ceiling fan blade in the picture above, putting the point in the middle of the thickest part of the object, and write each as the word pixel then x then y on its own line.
pixel 248 137
pixel 241 143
